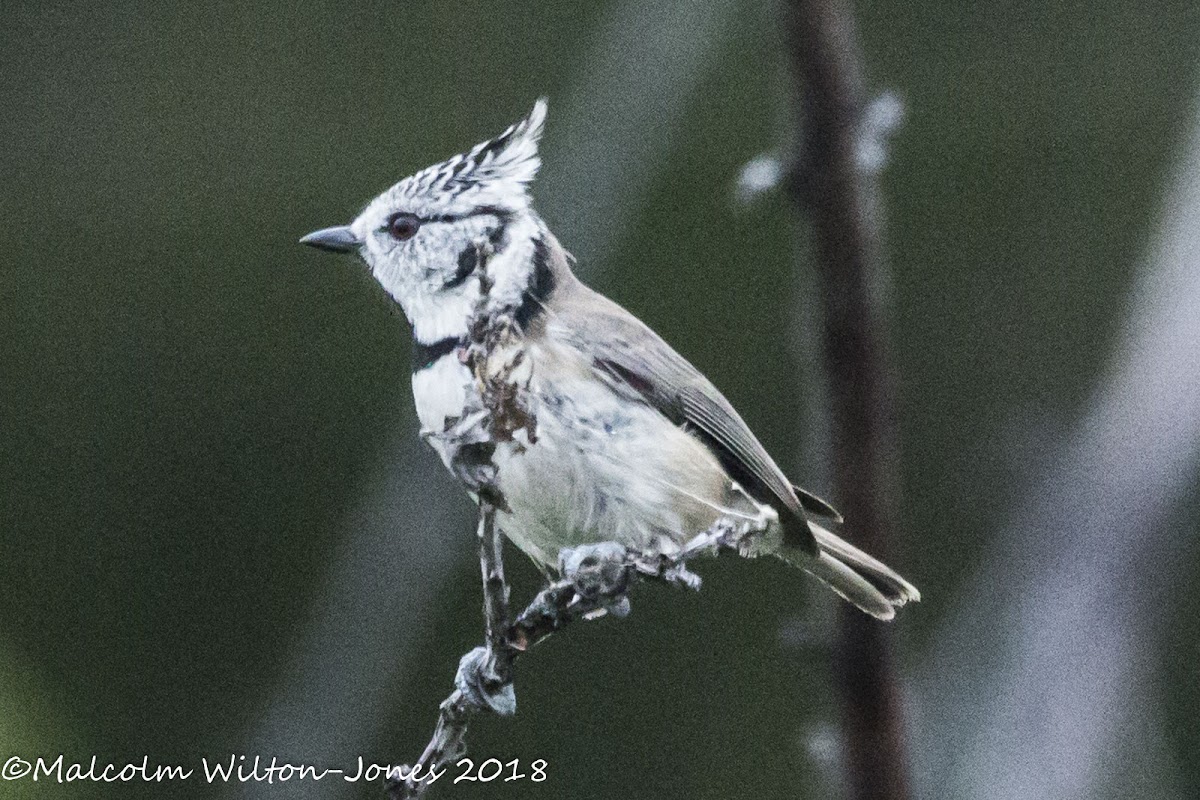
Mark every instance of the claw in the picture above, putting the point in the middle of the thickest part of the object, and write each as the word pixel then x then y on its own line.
pixel 596 570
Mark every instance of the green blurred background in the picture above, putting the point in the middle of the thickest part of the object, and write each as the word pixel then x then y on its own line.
pixel 218 531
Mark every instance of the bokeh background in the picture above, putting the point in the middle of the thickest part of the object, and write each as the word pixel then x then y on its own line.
pixel 219 533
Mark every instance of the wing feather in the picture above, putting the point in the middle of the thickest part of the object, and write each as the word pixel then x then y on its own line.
pixel 636 361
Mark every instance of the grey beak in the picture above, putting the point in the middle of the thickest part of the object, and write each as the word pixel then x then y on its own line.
pixel 339 239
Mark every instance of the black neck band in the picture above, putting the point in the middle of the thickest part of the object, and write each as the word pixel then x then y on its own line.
pixel 424 355
pixel 541 286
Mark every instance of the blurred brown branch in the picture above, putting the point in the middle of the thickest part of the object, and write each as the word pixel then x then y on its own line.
pixel 830 180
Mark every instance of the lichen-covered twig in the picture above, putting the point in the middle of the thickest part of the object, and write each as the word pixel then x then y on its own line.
pixel 596 580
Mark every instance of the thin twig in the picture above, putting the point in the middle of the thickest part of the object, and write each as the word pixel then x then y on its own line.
pixel 600 577
pixel 832 181
pixel 495 588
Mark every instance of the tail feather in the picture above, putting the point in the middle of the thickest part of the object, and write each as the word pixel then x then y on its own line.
pixel 850 585
pixel 815 505
pixel 863 580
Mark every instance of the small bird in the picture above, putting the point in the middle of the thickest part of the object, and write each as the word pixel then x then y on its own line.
pixel 633 444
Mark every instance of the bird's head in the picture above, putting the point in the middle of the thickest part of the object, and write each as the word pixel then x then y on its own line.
pixel 420 237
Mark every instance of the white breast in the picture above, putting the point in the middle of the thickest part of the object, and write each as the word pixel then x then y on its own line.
pixel 440 390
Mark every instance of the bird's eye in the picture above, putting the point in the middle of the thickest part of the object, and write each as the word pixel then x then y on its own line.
pixel 403 226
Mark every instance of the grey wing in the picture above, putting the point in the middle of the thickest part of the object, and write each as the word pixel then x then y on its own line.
pixel 635 359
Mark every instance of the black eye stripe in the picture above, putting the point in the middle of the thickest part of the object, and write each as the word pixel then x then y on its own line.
pixel 475 212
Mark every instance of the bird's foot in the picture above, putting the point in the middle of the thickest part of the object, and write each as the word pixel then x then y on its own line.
pixel 600 574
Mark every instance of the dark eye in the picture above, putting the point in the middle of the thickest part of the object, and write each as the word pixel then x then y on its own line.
pixel 403 226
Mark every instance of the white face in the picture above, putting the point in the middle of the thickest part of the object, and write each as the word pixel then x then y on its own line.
pixel 420 236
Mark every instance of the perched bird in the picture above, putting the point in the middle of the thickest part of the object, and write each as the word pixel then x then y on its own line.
pixel 633 444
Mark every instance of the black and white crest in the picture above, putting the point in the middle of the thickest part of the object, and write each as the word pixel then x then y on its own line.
pixel 494 173
pixel 511 157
